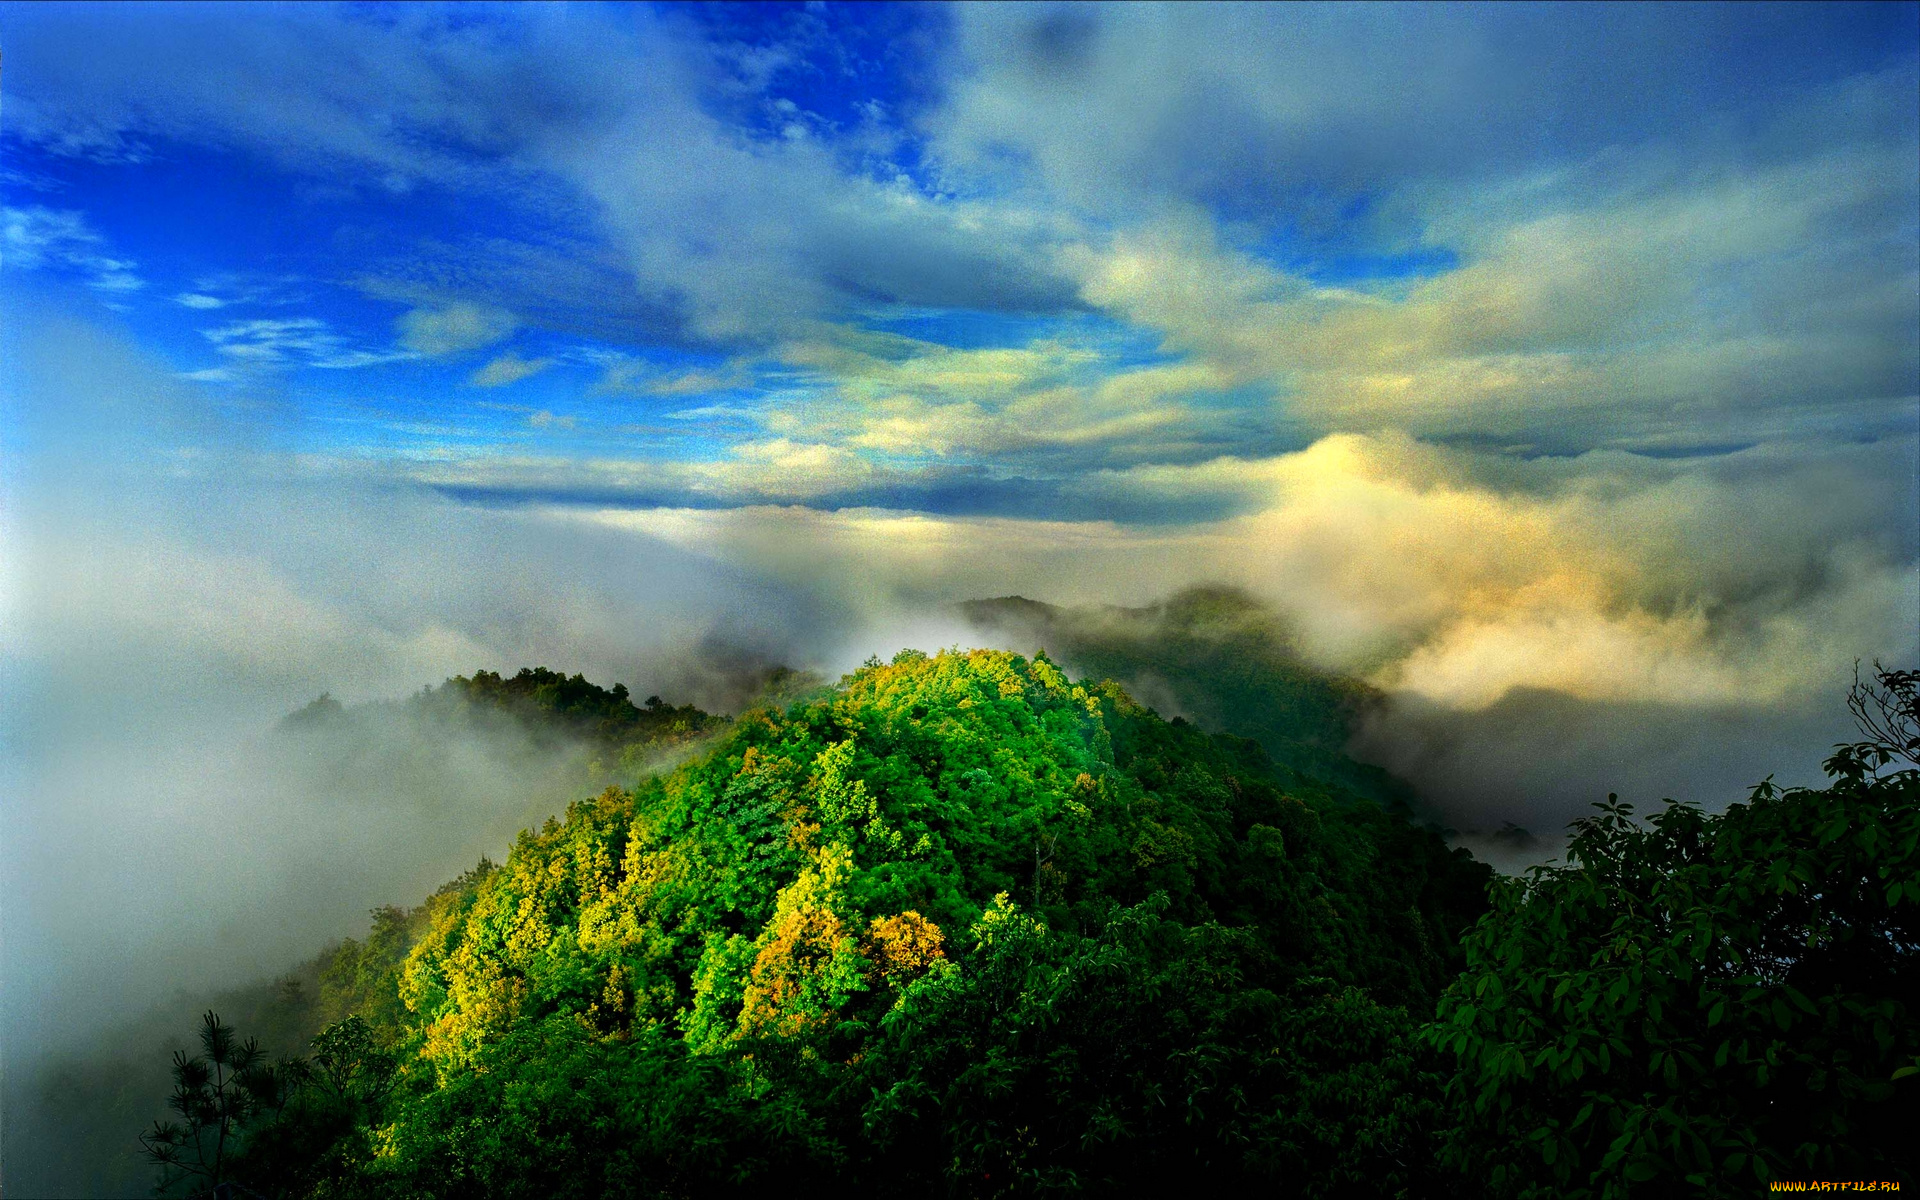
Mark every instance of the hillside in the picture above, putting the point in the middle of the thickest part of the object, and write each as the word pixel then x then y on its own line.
pixel 959 921
pixel 493 752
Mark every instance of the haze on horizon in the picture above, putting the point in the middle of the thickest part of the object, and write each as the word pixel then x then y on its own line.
pixel 1555 369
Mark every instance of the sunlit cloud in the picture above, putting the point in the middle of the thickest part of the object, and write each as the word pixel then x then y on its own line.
pixel 1449 575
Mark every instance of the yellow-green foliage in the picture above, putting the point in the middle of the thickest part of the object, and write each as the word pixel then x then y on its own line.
pixel 758 890
pixel 841 912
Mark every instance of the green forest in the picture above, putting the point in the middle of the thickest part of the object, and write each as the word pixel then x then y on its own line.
pixel 961 925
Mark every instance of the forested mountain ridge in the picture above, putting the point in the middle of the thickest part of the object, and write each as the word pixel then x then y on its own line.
pixel 1219 656
pixel 547 705
pixel 959 922
pixel 962 925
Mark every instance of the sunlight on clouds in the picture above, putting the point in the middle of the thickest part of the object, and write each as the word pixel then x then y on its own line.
pixel 772 468
pixel 1591 319
pixel 1440 573
pixel 904 397
pixel 1460 578
pixel 872 561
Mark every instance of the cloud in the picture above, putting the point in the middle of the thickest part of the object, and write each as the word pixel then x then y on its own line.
pixel 1453 576
pixel 455 328
pixel 1300 111
pixel 36 238
pixel 1052 404
pixel 1659 317
pixel 293 341
pixel 749 472
pixel 640 378
pixel 730 237
pixel 708 412
pixel 227 289
pixel 509 368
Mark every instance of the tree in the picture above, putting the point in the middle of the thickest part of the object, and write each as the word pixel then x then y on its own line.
pixel 1702 1003
pixel 219 1093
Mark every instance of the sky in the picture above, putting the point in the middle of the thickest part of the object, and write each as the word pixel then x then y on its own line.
pixel 1555 369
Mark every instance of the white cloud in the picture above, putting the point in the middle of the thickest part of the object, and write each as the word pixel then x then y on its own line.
pixel 1734 304
pixel 1443 574
pixel 294 341
pixel 36 238
pixel 640 378
pixel 198 300
pixel 737 237
pixel 709 412
pixel 454 328
pixel 508 369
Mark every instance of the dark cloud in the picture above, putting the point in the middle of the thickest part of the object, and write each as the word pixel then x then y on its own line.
pixel 1307 107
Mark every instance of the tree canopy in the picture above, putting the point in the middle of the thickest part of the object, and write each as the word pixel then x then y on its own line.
pixel 961 925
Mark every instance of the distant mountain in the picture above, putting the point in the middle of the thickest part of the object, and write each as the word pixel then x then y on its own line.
pixel 1219 658
pixel 545 705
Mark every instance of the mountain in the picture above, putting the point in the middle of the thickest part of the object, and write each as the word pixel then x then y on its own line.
pixel 959 921
pixel 963 924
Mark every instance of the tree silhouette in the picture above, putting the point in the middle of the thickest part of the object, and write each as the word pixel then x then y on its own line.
pixel 218 1094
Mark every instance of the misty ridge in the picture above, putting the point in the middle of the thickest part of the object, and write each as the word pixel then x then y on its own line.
pixel 476 759
pixel 426 784
pixel 451 773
